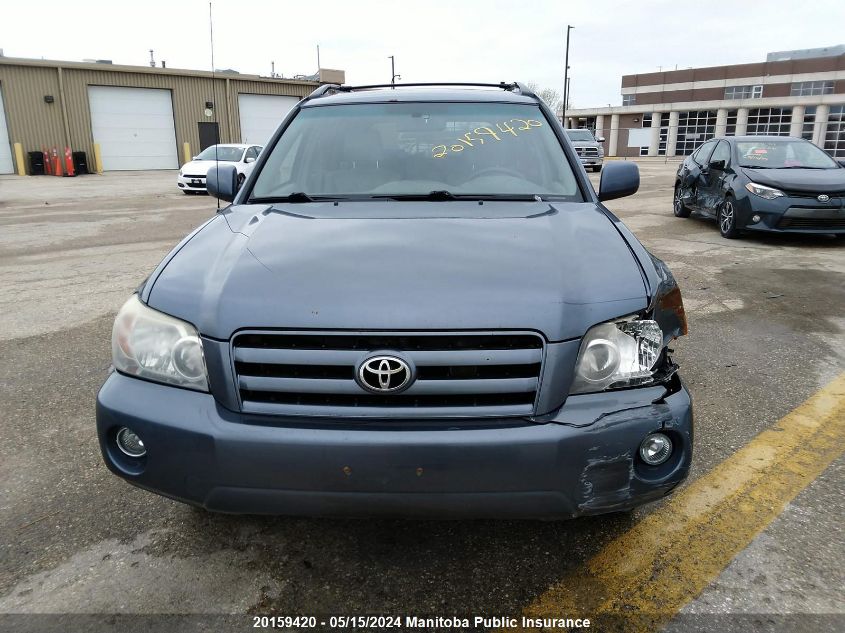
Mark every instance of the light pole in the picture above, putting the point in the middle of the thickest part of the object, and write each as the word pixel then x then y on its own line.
pixel 393 75
pixel 569 27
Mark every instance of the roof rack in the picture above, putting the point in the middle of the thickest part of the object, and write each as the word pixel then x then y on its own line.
pixel 510 87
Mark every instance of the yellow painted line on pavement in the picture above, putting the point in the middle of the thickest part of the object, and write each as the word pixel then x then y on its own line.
pixel 645 576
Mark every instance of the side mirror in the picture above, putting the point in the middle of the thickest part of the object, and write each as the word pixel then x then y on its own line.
pixel 222 182
pixel 618 179
pixel 718 165
pixel 249 159
pixel 194 158
pixel 600 139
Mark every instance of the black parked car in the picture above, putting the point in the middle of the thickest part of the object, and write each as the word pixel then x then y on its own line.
pixel 763 183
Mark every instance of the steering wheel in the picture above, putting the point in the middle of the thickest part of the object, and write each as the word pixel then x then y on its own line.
pixel 497 170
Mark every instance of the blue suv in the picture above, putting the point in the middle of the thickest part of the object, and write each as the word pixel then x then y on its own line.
pixel 416 304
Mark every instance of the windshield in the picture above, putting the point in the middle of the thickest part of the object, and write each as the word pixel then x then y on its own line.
pixel 783 155
pixel 414 149
pixel 581 135
pixel 227 154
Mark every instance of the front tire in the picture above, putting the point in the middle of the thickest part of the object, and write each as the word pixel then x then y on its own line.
pixel 727 219
pixel 678 207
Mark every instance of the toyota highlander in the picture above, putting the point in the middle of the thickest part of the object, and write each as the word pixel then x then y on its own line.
pixel 416 304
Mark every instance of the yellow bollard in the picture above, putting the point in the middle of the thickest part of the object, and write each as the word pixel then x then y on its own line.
pixel 186 152
pixel 98 159
pixel 19 159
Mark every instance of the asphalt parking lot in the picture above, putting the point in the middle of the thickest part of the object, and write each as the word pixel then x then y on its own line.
pixel 767 331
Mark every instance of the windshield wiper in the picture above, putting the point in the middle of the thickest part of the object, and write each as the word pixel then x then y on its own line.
pixel 443 194
pixel 804 167
pixel 297 196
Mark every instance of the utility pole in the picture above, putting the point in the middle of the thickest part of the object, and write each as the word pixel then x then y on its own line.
pixel 569 27
pixel 393 75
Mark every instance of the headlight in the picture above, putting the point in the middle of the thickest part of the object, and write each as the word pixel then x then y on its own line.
pixel 616 355
pixel 152 345
pixel 769 193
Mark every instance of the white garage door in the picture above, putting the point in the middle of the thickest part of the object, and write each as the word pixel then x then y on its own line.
pixel 261 115
pixel 134 127
pixel 6 165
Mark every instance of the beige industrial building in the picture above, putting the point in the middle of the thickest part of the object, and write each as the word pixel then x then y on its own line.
pixel 136 117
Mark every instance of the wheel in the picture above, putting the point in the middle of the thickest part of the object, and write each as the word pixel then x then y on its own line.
pixel 241 179
pixel 678 207
pixel 727 219
pixel 597 168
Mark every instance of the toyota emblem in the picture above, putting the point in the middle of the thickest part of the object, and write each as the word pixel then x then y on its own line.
pixel 384 374
pixel 823 198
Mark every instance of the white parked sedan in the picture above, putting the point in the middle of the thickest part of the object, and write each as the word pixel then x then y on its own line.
pixel 191 176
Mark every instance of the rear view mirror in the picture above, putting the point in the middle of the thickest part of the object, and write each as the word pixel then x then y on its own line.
pixel 618 179
pixel 222 182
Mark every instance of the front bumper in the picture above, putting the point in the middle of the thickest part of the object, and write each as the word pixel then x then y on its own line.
pixel 591 161
pixel 191 183
pixel 583 461
pixel 804 215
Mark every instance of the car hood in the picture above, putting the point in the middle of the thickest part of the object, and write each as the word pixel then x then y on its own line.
pixel 805 180
pixel 200 167
pixel 553 268
pixel 585 143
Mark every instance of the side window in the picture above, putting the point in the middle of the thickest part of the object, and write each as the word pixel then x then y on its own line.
pixel 252 152
pixel 703 153
pixel 722 152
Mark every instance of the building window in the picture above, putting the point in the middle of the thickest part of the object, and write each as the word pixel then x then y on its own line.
pixel 834 138
pixel 694 128
pixel 730 127
pixel 811 88
pixel 743 92
pixel 769 121
pixel 809 122
pixel 629 100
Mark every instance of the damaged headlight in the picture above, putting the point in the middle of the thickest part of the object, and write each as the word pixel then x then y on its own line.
pixel 614 355
pixel 769 193
pixel 153 345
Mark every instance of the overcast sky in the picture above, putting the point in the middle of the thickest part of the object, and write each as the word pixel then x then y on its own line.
pixel 461 40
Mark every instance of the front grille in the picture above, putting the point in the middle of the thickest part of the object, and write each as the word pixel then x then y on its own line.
pixel 587 152
pixel 192 176
pixel 808 195
pixel 489 374
pixel 819 224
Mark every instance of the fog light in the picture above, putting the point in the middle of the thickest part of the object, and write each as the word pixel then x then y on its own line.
pixel 755 218
pixel 129 443
pixel 655 449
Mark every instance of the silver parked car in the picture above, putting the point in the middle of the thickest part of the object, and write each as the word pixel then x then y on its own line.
pixel 588 148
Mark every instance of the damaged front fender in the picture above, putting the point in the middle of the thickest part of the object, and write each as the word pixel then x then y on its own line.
pixel 667 305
